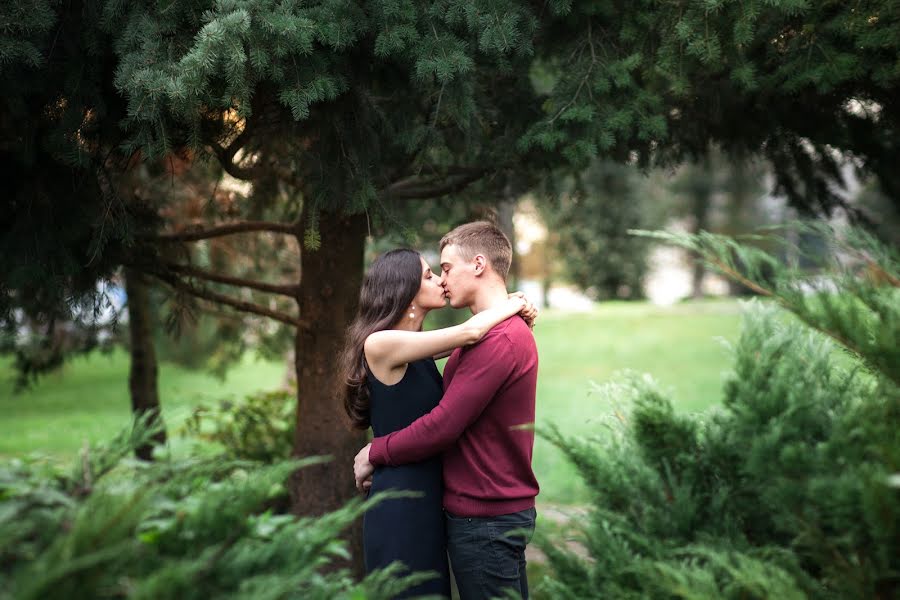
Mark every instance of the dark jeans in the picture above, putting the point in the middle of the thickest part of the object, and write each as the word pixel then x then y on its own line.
pixel 487 554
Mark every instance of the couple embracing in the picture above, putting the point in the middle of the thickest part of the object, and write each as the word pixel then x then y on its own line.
pixel 457 440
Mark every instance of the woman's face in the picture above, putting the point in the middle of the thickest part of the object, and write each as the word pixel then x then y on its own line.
pixel 431 294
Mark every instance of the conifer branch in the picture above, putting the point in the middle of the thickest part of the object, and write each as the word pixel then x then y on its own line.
pixel 415 188
pixel 584 79
pixel 226 156
pixel 215 297
pixel 227 229
pixel 271 288
pixel 732 273
pixel 242 173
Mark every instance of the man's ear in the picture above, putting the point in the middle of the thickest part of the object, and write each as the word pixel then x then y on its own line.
pixel 480 264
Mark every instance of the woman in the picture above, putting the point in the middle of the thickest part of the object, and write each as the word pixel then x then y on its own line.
pixel 390 381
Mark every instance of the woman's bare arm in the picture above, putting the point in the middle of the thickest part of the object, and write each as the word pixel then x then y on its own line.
pixel 393 348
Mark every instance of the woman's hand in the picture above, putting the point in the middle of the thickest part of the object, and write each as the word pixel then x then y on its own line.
pixel 529 311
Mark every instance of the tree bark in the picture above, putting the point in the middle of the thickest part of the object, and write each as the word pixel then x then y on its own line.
pixel 701 202
pixel 328 297
pixel 142 377
pixel 506 210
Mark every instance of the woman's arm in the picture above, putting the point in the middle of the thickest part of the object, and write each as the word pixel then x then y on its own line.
pixel 392 348
pixel 529 313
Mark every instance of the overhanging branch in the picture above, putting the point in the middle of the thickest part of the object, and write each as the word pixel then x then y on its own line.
pixel 227 229
pixel 420 188
pixel 272 288
pixel 239 305
pixel 226 157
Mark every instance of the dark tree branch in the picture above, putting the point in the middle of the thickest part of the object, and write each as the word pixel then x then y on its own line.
pixel 226 159
pixel 272 288
pixel 418 188
pixel 239 141
pixel 226 229
pixel 266 165
pixel 239 305
pixel 226 156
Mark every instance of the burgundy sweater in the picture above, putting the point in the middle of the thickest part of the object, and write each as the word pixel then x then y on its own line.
pixel 489 389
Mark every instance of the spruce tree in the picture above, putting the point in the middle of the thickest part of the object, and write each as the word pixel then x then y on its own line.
pixel 590 215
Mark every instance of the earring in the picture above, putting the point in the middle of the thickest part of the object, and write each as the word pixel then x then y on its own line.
pixel 412 314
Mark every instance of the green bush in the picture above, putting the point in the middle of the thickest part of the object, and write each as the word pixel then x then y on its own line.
pixel 259 427
pixel 790 489
pixel 193 528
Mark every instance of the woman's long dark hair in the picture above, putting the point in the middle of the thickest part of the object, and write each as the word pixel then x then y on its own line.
pixel 388 289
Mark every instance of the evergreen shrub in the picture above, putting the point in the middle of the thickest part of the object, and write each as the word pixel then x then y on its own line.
pixel 179 529
pixel 789 489
pixel 259 427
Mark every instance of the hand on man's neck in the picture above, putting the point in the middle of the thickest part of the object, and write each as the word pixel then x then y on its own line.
pixel 490 294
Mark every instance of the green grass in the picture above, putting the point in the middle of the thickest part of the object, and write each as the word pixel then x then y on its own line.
pixel 88 401
pixel 678 345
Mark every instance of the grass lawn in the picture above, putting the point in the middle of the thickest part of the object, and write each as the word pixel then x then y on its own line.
pixel 88 399
pixel 680 346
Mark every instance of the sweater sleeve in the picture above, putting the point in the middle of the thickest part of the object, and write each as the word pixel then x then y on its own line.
pixel 481 372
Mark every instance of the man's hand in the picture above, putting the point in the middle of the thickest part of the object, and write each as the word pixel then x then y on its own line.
pixel 363 469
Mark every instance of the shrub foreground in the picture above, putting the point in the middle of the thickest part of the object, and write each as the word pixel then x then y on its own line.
pixel 790 489
pixel 194 528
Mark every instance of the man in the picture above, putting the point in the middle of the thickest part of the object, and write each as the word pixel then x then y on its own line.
pixel 489 393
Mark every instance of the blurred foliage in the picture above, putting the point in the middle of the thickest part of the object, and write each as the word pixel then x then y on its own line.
pixel 882 214
pixel 590 216
pixel 188 528
pixel 95 88
pixel 259 427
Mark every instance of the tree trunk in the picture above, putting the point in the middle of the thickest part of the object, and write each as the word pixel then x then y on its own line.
pixel 701 201
pixel 506 210
pixel 329 292
pixel 143 370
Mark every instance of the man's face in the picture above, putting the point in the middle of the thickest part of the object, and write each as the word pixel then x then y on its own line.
pixel 457 277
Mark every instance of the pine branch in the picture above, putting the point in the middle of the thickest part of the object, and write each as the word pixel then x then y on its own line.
pixel 417 188
pixel 239 305
pixel 733 274
pixel 729 272
pixel 226 155
pixel 227 229
pixel 272 288
pixel 584 80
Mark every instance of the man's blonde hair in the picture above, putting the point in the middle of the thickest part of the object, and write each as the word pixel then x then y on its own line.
pixel 482 237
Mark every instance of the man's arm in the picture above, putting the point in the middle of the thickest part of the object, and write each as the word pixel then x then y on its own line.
pixel 482 370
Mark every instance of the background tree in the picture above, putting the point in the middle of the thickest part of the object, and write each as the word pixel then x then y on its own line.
pixel 62 229
pixel 792 80
pixel 591 214
pixel 879 210
pixel 300 95
pixel 722 194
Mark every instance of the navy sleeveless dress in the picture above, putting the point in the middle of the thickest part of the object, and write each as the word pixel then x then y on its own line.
pixel 410 530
